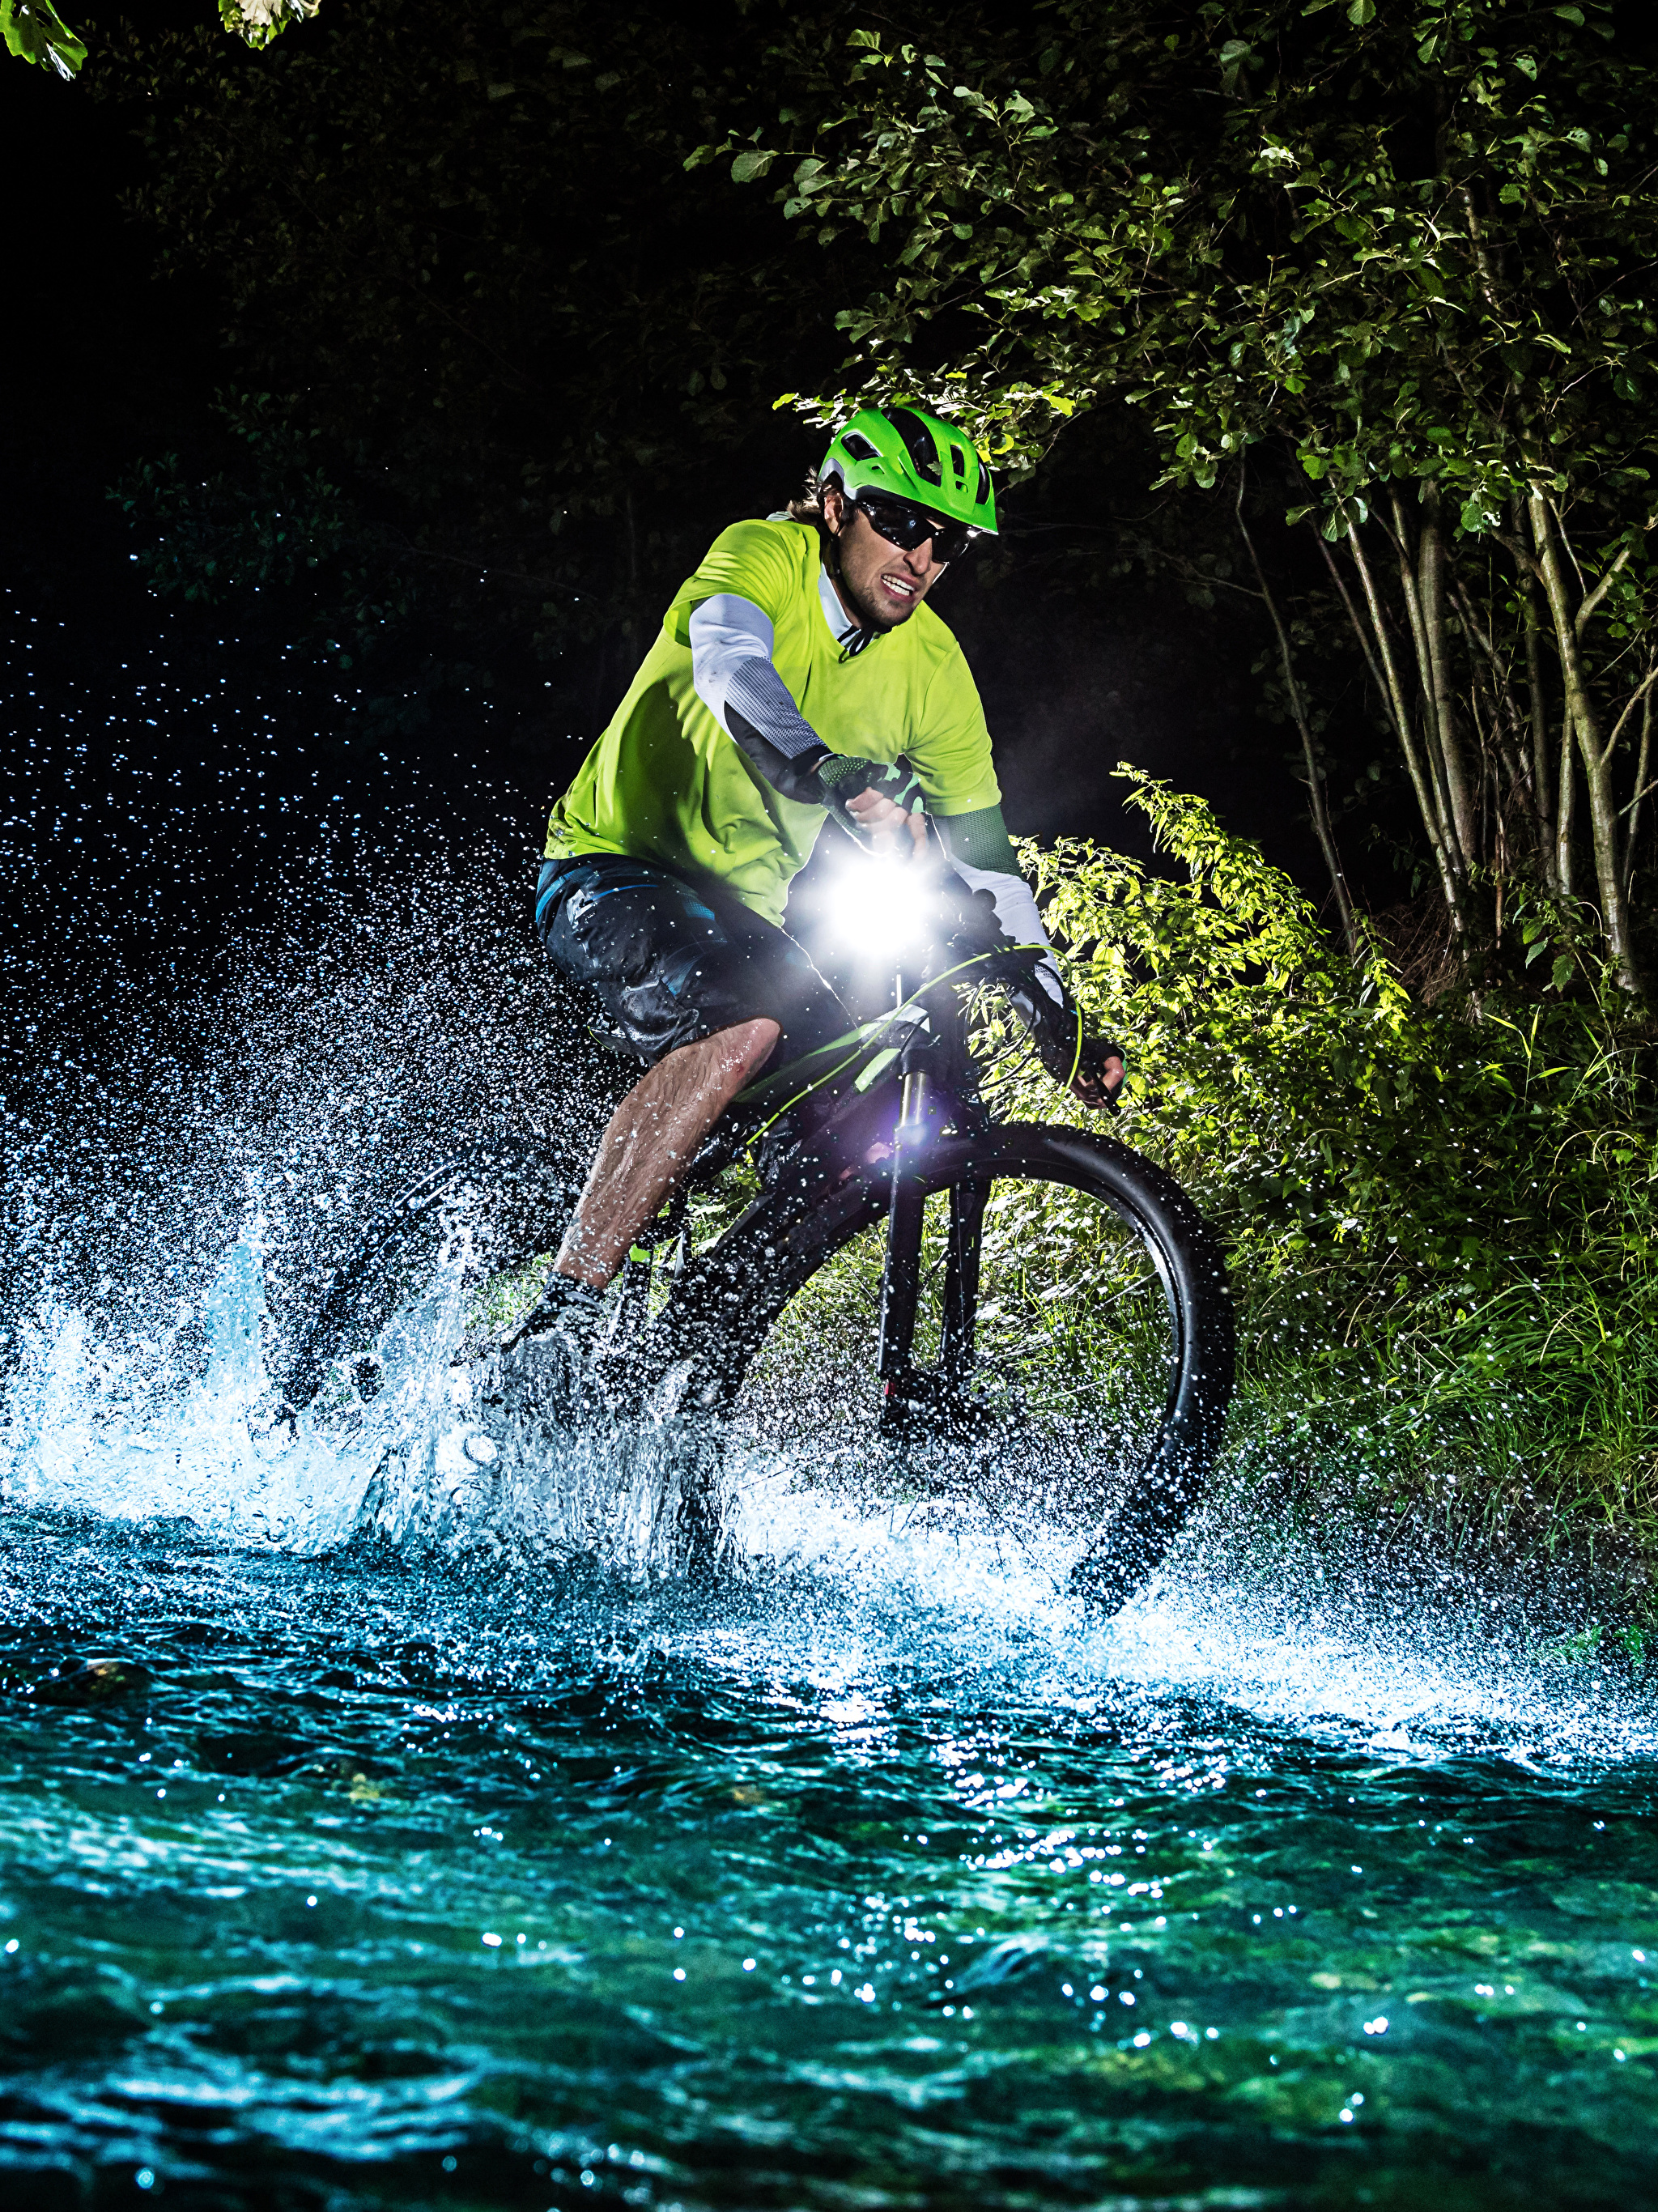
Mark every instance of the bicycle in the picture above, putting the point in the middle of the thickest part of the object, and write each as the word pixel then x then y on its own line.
pixel 934 1304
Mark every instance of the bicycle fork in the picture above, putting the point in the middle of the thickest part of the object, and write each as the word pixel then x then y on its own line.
pixel 906 1389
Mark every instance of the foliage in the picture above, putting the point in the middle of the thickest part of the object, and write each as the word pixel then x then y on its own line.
pixel 276 522
pixel 259 22
pixel 35 31
pixel 1400 254
pixel 279 520
pixel 1443 1234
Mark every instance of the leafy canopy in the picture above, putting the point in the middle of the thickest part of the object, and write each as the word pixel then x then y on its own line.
pixel 35 31
pixel 1413 242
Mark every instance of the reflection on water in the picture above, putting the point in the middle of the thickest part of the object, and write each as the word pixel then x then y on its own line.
pixel 880 1878
pixel 383 1828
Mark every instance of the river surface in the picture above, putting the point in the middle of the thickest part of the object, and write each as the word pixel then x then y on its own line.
pixel 352 1882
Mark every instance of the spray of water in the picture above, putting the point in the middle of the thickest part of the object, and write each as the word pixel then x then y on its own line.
pixel 174 1254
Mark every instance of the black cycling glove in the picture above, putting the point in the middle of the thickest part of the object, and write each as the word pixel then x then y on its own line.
pixel 1063 1045
pixel 844 776
pixel 811 774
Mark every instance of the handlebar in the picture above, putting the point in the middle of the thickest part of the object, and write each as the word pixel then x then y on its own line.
pixel 979 951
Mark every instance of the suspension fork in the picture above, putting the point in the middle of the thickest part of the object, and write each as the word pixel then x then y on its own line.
pixel 967 1216
pixel 901 1279
pixel 903 1389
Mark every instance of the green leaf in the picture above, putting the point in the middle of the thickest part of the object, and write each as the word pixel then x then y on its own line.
pixel 35 31
pixel 1362 12
pixel 1560 974
pixel 750 165
pixel 255 23
pixel 1570 16
pixel 864 39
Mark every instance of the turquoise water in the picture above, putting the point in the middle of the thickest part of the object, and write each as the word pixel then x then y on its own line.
pixel 379 1829
pixel 349 1881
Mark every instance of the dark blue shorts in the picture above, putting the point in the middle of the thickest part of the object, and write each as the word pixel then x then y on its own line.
pixel 662 962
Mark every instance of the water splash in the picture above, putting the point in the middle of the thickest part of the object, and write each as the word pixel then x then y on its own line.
pixel 176 1247
pixel 433 1456
pixel 436 1462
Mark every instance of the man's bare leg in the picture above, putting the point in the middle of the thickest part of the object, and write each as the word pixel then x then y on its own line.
pixel 650 1139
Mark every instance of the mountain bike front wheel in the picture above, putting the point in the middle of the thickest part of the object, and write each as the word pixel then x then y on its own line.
pixel 1033 1321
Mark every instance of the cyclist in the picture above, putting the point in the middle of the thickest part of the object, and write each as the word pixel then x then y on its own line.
pixel 799 673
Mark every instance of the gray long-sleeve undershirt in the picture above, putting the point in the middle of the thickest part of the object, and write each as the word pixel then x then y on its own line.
pixel 732 669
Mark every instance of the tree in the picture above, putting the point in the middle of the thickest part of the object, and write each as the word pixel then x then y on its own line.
pixel 1398 257
pixel 35 31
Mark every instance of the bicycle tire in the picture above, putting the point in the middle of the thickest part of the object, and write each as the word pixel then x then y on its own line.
pixel 731 1303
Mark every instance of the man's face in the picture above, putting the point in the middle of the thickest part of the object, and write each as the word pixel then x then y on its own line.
pixel 884 583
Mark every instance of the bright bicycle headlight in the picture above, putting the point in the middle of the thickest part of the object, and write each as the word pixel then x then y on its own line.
pixel 882 908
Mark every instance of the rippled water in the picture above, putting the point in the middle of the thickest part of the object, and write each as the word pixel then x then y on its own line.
pixel 880 1880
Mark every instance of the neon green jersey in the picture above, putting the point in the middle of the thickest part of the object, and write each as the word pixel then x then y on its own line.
pixel 665 782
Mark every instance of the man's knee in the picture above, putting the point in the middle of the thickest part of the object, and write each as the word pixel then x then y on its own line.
pixel 710 1065
pixel 747 1044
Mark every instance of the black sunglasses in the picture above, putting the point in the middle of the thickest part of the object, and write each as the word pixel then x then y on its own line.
pixel 907 526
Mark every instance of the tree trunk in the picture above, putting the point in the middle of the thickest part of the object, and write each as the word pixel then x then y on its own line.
pixel 1451 881
pixel 1315 791
pixel 1425 692
pixel 1492 687
pixel 1537 703
pixel 1595 751
pixel 1431 586
pixel 1566 815
pixel 1642 770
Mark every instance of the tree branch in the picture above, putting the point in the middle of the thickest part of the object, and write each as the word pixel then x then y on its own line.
pixel 1594 598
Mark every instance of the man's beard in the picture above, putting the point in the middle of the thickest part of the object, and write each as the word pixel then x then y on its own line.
pixel 868 617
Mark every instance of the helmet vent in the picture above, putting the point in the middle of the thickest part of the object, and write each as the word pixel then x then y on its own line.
pixel 959 459
pixel 859 446
pixel 919 442
pixel 983 492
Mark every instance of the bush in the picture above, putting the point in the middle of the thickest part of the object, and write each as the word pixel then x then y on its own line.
pixel 1440 1221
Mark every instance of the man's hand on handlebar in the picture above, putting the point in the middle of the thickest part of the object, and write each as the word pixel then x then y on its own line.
pixel 1089 1067
pixel 1098 1081
pixel 874 801
pixel 887 826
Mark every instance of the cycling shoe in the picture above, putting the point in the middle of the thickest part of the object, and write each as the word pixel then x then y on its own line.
pixel 566 1307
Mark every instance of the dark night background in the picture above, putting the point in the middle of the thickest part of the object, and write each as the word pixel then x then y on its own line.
pixel 179 775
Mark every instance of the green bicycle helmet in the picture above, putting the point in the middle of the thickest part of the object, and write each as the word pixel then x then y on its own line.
pixel 914 456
